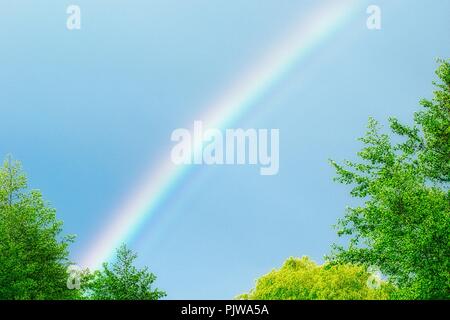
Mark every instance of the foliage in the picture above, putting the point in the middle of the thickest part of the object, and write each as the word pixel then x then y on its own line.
pixel 121 281
pixel 33 258
pixel 403 225
pixel 303 279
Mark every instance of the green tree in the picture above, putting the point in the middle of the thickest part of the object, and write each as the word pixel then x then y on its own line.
pixel 402 224
pixel 303 279
pixel 33 255
pixel 122 281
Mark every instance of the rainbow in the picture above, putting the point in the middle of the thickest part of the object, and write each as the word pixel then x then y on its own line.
pixel 160 181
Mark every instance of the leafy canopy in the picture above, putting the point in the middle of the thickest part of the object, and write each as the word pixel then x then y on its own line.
pixel 403 223
pixel 303 279
pixel 122 280
pixel 33 254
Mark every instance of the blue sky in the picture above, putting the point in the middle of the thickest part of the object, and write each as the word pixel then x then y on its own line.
pixel 88 111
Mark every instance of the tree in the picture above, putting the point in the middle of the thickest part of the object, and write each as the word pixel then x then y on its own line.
pixel 122 281
pixel 403 225
pixel 33 255
pixel 303 279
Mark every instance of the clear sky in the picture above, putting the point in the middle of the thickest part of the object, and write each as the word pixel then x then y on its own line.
pixel 89 111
